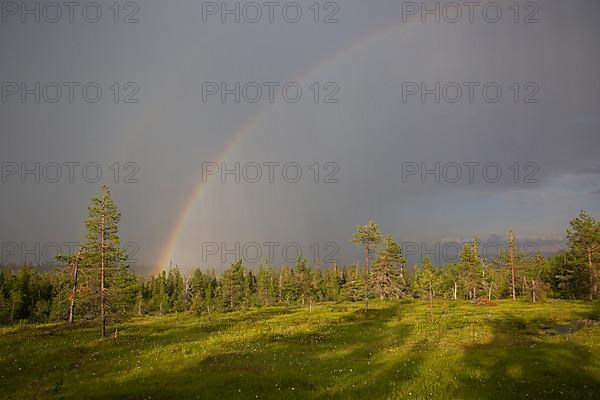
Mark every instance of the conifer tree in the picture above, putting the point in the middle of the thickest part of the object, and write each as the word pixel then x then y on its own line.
pixel 584 243
pixel 369 237
pixel 354 284
pixel 102 252
pixel 388 274
pixel 332 284
pixel 511 262
pixel 304 280
pixel 233 283
pixel 426 282
pixel 471 267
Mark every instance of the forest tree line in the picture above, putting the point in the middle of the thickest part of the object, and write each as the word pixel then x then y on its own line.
pixel 96 282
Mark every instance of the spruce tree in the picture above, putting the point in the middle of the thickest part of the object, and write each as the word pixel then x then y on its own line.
pixel 471 267
pixel 426 282
pixel 388 274
pixel 233 286
pixel 332 284
pixel 304 281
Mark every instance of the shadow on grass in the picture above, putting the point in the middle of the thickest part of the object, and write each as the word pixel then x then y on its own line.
pixel 516 365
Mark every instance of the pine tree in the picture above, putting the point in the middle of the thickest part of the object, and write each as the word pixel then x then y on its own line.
pixel 368 236
pixel 72 269
pixel 102 251
pixel 511 262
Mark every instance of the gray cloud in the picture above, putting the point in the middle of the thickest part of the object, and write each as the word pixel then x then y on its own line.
pixel 371 134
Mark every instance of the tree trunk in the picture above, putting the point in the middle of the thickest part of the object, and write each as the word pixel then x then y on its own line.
pixel 140 305
pixel 511 262
pixel 533 296
pixel 102 294
pixel 490 291
pixel 430 301
pixel 280 287
pixel 366 278
pixel 12 311
pixel 74 290
pixel 454 294
pixel 591 268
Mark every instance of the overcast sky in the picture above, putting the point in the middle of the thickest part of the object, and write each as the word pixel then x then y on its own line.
pixel 361 122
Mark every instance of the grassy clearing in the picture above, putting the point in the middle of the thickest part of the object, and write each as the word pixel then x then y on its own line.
pixel 515 350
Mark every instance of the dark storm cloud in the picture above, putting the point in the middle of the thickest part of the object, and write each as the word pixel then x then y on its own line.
pixel 546 150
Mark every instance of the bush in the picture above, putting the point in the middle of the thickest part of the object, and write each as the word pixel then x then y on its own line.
pixel 485 302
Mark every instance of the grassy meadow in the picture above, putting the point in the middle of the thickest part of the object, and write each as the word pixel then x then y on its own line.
pixel 512 351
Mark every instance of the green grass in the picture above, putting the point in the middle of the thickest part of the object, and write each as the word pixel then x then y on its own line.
pixel 514 350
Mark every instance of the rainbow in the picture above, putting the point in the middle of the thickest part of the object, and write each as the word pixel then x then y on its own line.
pixel 167 253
